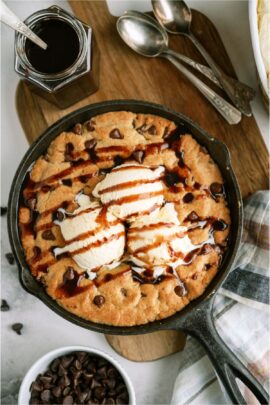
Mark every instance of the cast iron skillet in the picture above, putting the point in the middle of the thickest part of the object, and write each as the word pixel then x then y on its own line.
pixel 196 318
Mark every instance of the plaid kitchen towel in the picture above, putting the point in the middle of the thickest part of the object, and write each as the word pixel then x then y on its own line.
pixel 241 313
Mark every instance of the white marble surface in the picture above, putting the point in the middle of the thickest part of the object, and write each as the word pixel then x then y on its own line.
pixel 43 330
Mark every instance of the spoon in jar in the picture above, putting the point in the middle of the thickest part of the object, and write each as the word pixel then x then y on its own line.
pixel 146 39
pixel 206 71
pixel 9 18
pixel 176 17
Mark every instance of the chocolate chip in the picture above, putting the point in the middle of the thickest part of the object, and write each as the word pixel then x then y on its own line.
pixel 31 203
pixel 91 143
pixel 68 151
pixel 99 300
pixel 4 306
pixel 118 160
pixel 68 400
pixel 193 216
pixel 69 274
pixel 60 216
pixel 10 258
pixel 78 364
pixel 109 401
pixel 142 129
pixel 3 211
pixel 188 198
pixel 17 327
pixel 61 370
pixel 102 372
pixel 36 386
pixel 77 129
pixel 81 356
pixel 138 155
pixel 207 266
pixel 180 290
pixel 66 391
pixel 152 130
pixel 195 276
pixel 116 134
pixel 82 396
pixel 123 292
pixel 99 393
pixel 57 392
pixel 54 365
pixel 171 178
pixel 45 189
pixel 90 126
pixel 67 360
pixel 219 225
pixel 48 235
pixel 67 182
pixel 216 189
pixel 45 395
pixel 112 372
pixel 95 384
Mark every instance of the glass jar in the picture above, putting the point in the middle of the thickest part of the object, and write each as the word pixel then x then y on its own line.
pixel 77 81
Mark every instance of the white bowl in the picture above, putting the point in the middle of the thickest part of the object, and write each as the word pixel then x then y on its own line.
pixel 254 31
pixel 42 364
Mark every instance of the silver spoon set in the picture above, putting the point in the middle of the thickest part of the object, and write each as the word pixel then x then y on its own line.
pixel 148 37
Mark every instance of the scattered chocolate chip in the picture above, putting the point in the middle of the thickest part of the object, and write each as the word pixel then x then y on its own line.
pixel 138 155
pixel 4 306
pixel 116 134
pixel 10 258
pixel 31 203
pixel 48 235
pixel 3 211
pixel 69 274
pixel 99 393
pixel 45 396
pixel 216 188
pixel 109 401
pixel 207 266
pixel 77 129
pixel 102 372
pixel 95 384
pixel 193 216
pixel 36 386
pixel 143 295
pixel 152 130
pixel 91 143
pixel 67 182
pixel 219 225
pixel 180 290
pixel 188 198
pixel 17 327
pixel 112 372
pixel 99 300
pixel 195 276
pixel 90 125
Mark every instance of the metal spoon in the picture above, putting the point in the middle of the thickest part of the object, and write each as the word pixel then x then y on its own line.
pixel 146 39
pixel 206 71
pixel 176 17
pixel 9 18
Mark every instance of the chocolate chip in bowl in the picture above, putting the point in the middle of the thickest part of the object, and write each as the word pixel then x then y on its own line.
pixel 76 375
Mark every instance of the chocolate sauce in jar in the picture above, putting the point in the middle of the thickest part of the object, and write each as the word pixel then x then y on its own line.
pixel 57 34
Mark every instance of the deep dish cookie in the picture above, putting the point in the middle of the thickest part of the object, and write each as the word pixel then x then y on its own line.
pixel 124 219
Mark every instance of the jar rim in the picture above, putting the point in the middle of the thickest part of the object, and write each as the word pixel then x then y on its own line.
pixel 56 13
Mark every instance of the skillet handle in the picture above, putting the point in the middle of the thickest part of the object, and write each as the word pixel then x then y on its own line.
pixel 228 368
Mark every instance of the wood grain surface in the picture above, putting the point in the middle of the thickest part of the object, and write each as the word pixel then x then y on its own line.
pixel 124 74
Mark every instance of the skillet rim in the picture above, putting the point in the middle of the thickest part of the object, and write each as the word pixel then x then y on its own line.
pixel 40 144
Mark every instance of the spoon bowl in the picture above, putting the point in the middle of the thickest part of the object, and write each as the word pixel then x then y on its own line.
pixel 141 35
pixel 175 16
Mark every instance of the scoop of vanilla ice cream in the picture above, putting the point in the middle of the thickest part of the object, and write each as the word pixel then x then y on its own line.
pixel 93 236
pixel 158 240
pixel 131 189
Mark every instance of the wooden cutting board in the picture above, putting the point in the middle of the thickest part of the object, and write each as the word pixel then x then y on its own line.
pixel 124 74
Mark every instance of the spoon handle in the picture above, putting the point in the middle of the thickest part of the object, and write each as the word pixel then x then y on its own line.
pixel 228 111
pixel 239 93
pixel 206 71
pixel 9 18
